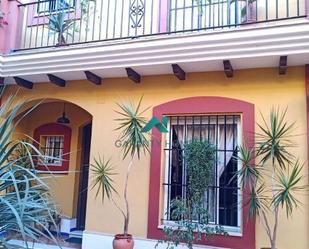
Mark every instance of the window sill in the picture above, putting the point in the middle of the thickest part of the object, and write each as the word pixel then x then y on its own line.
pixel 52 172
pixel 232 231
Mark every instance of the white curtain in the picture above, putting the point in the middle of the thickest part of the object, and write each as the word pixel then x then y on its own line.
pixel 226 144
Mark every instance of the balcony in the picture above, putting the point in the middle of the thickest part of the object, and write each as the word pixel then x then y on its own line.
pixel 50 23
pixel 67 38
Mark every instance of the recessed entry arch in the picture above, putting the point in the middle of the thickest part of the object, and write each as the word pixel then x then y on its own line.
pixel 69 189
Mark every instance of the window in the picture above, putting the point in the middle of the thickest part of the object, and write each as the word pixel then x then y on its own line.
pixel 54 5
pixel 54 142
pixel 222 199
pixel 229 121
pixel 40 11
pixel 188 15
pixel 52 149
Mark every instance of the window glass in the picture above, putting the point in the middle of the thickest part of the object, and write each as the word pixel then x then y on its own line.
pixel 54 5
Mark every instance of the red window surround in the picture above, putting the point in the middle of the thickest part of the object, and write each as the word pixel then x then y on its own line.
pixel 55 129
pixel 199 105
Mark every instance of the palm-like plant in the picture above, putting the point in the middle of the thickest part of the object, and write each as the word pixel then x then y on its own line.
pixel 59 25
pixel 103 173
pixel 26 209
pixel 276 171
pixel 134 143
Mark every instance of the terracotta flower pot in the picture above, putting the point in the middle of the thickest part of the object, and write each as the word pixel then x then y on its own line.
pixel 122 241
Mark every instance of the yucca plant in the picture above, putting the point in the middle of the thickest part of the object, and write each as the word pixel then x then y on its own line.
pixel 273 182
pixel 59 25
pixel 26 208
pixel 134 143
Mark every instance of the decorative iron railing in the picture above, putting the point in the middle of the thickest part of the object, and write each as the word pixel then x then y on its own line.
pixel 61 22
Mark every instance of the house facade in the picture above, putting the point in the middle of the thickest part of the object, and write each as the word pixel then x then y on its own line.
pixel 210 69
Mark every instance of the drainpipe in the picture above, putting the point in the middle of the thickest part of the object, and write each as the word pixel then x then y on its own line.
pixel 307 103
pixel 307 8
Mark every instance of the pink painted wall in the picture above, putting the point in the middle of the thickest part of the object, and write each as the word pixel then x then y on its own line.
pixel 10 35
pixel 163 16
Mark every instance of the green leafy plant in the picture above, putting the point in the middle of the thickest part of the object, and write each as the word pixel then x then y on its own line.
pixel 26 208
pixel 200 6
pixel 273 182
pixel 87 10
pixel 134 143
pixel 59 25
pixel 103 173
pixel 190 219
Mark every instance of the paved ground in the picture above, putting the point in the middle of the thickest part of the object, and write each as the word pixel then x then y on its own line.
pixel 45 244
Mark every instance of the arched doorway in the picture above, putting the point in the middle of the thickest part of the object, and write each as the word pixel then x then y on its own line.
pixel 70 139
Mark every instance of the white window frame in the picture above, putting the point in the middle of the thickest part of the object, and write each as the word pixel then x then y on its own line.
pixel 44 139
pixel 47 12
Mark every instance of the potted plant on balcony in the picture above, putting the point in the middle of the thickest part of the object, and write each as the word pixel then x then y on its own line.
pixel 133 143
pixel 189 219
pixel 271 176
pixel 59 25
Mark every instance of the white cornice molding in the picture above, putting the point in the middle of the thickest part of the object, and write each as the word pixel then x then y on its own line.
pixel 252 41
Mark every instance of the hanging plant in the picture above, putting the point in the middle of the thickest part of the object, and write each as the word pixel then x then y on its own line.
pixel 189 219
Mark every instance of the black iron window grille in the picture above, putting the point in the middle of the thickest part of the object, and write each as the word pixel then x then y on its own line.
pixel 223 197
pixel 51 6
pixel 52 149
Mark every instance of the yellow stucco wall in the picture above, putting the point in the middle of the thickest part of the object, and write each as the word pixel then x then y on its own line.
pixel 263 87
pixel 64 187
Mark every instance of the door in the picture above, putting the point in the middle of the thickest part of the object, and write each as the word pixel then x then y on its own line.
pixel 83 179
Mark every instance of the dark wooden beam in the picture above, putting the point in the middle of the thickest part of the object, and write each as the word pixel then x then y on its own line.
pixel 283 65
pixel 178 72
pixel 23 83
pixel 93 78
pixel 56 80
pixel 133 75
pixel 228 69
